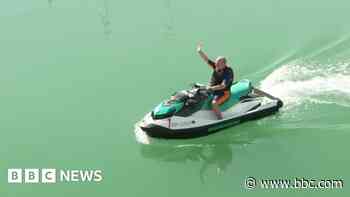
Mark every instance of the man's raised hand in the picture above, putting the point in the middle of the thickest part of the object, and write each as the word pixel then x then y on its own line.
pixel 199 47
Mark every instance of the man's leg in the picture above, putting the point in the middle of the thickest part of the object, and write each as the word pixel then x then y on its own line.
pixel 216 110
pixel 217 101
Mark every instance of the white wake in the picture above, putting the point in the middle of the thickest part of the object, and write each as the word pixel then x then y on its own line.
pixel 297 83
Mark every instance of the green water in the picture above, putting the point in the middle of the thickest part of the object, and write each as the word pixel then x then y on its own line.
pixel 77 75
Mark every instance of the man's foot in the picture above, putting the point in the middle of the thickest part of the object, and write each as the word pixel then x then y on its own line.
pixel 218 113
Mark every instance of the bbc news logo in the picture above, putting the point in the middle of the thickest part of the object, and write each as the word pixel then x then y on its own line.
pixel 50 175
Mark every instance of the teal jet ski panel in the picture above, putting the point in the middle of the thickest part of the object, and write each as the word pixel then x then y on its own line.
pixel 169 107
pixel 238 90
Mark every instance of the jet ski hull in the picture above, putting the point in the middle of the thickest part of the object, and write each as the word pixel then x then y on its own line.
pixel 192 131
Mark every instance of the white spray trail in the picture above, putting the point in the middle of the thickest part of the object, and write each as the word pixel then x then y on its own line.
pixel 298 83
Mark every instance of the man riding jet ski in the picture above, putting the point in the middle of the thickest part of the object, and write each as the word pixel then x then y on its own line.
pixel 189 113
pixel 220 82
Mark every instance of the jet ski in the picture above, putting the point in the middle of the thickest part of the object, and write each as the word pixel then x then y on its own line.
pixel 188 114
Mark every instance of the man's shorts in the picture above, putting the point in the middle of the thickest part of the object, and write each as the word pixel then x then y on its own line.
pixel 221 96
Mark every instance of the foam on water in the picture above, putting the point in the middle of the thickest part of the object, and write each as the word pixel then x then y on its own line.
pixel 297 83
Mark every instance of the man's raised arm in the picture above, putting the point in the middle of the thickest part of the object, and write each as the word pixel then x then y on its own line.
pixel 204 56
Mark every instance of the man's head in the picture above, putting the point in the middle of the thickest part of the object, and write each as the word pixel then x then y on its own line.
pixel 220 63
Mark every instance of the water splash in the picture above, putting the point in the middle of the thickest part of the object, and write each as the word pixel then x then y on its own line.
pixel 140 135
pixel 301 82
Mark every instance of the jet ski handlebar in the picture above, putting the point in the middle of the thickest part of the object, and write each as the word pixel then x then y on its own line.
pixel 198 86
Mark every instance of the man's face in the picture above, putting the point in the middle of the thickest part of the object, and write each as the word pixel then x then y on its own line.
pixel 220 65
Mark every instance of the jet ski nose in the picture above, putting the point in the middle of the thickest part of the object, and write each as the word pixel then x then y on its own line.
pixel 143 124
pixel 152 129
pixel 146 127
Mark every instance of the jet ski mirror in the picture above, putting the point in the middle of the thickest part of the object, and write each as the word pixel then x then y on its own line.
pixel 198 86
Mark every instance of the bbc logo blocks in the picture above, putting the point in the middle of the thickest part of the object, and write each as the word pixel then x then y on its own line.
pixel 31 175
